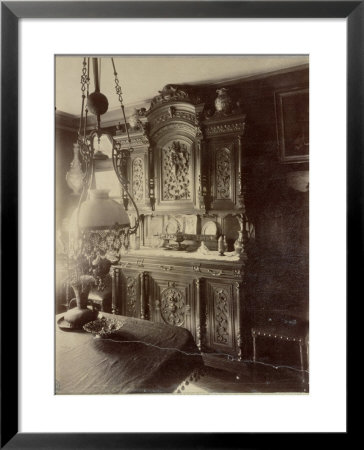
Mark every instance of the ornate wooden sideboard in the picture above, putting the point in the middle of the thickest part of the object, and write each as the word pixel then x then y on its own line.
pixel 187 174
pixel 206 296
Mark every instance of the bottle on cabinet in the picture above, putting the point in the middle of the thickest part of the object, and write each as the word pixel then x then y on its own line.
pixel 222 245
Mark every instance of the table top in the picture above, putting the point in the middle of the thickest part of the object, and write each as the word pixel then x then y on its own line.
pixel 141 357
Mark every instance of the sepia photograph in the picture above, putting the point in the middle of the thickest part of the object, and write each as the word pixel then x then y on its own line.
pixel 181 224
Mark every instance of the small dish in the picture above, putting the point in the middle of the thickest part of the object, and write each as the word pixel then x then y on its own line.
pixel 103 326
pixel 64 325
pixel 172 226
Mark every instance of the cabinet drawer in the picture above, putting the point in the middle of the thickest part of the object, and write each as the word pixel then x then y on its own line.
pixel 218 271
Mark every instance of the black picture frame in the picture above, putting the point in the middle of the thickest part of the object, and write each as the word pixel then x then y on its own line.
pixel 292 121
pixel 11 12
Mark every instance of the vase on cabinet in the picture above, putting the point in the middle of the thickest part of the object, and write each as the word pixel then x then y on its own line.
pixel 222 245
pixel 134 119
pixel 239 244
pixel 223 101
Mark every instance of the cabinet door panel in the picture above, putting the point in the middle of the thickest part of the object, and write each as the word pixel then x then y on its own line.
pixel 172 302
pixel 223 182
pixel 220 316
pixel 175 168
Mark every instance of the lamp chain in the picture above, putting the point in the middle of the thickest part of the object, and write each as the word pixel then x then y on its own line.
pixel 119 94
pixel 84 79
pixel 87 94
pixel 117 84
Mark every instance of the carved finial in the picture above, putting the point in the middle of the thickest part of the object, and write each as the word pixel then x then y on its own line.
pixel 223 101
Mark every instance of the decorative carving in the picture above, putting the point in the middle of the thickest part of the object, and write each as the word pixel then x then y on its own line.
pixel 198 337
pixel 237 286
pixel 223 174
pixel 221 310
pixel 166 268
pixel 115 310
pixel 173 307
pixel 144 126
pixel 176 172
pixel 121 157
pixel 179 127
pixel 135 140
pixel 175 114
pixel 200 195
pixel 198 315
pixel 238 343
pixel 115 290
pixel 142 295
pixel 215 273
pixel 151 178
pixel 138 179
pixel 231 127
pixel 250 230
pixel 170 93
pixel 241 184
pixel 131 296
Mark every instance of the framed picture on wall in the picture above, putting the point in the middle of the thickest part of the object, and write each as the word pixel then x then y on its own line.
pixel 292 120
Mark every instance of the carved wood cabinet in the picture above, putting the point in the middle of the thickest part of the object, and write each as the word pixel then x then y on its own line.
pixel 206 297
pixel 187 175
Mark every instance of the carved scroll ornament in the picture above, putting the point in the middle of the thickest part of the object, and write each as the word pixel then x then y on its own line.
pixel 173 307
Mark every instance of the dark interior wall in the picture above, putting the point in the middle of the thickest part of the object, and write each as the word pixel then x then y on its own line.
pixel 277 203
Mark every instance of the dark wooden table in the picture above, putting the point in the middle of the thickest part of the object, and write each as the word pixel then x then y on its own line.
pixel 141 357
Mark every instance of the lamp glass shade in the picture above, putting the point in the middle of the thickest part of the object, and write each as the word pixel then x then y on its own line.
pixel 99 211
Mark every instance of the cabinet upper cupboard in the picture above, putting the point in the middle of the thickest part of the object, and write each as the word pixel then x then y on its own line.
pixel 184 160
